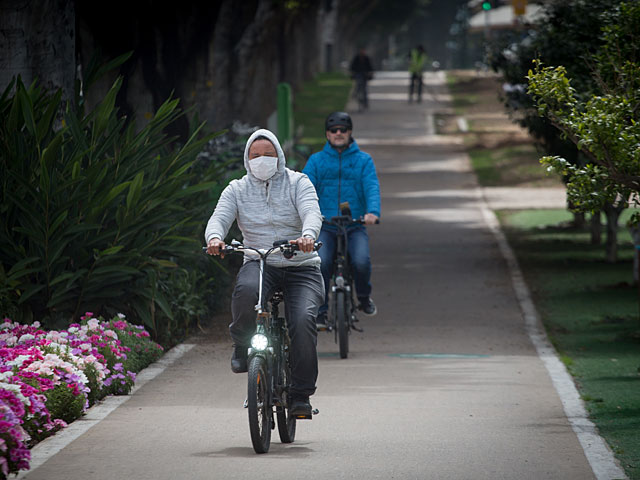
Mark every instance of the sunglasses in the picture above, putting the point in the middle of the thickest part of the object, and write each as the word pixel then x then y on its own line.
pixel 338 129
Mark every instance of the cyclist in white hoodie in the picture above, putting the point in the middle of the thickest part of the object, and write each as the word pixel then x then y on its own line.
pixel 272 202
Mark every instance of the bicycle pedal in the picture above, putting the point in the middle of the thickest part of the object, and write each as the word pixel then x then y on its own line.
pixel 303 417
pixel 246 403
pixel 315 411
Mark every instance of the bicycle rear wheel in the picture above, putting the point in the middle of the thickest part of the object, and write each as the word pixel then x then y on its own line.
pixel 286 422
pixel 259 405
pixel 361 99
pixel 342 322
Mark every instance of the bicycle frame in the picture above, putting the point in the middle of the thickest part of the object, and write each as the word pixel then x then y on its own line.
pixel 271 329
pixel 268 362
pixel 361 90
pixel 342 276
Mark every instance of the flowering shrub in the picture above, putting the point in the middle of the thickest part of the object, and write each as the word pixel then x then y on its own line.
pixel 48 379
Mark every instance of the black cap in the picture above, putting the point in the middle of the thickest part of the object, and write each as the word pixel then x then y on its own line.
pixel 338 118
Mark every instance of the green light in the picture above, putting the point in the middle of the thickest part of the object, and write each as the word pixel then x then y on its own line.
pixel 486 5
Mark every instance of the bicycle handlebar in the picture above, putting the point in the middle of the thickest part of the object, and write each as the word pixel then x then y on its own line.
pixel 288 249
pixel 345 220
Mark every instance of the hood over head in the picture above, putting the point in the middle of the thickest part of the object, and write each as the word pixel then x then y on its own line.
pixel 263 132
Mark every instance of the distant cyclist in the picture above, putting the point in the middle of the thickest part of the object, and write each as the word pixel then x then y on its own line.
pixel 362 71
pixel 417 63
pixel 273 203
pixel 341 172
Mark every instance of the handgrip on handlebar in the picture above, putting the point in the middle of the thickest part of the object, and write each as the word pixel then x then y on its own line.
pixel 226 249
pixel 289 249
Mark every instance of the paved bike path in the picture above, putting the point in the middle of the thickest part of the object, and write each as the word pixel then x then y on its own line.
pixel 444 383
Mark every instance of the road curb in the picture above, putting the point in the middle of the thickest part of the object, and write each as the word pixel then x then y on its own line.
pixel 599 455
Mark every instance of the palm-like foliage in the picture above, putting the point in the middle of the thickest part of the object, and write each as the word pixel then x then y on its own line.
pixel 93 210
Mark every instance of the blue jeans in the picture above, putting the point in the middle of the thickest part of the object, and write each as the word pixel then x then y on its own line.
pixel 359 259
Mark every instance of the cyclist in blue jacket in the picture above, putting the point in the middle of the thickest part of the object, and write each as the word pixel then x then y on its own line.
pixel 341 172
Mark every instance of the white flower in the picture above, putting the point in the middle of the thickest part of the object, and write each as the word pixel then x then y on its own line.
pixel 26 337
pixel 122 316
pixel 18 361
pixel 16 390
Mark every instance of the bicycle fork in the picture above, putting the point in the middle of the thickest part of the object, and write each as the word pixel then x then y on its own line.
pixel 340 284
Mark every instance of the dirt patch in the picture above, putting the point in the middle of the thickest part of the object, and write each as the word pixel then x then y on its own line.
pixel 503 153
pixel 479 114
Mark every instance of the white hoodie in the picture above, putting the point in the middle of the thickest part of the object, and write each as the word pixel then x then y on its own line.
pixel 283 207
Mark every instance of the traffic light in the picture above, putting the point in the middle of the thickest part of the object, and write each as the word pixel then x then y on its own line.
pixel 486 5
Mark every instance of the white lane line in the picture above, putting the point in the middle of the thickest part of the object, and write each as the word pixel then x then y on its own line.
pixel 598 453
pixel 46 449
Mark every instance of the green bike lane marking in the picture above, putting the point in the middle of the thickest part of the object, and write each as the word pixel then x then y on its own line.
pixel 418 355
pixel 438 355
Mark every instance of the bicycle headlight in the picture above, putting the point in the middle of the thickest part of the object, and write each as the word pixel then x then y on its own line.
pixel 259 341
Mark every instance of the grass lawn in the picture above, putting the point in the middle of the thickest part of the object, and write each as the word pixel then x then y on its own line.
pixel 590 309
pixel 317 98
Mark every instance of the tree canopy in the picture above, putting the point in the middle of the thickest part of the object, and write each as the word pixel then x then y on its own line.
pixel 568 34
pixel 602 121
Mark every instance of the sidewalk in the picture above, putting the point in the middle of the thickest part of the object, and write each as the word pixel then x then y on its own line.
pixel 444 383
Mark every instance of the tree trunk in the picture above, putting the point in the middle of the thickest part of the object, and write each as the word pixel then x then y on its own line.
pixel 38 42
pixel 635 236
pixel 613 214
pixel 596 228
pixel 223 58
pixel 578 220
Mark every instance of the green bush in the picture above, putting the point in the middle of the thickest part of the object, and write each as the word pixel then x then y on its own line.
pixel 62 403
pixel 96 213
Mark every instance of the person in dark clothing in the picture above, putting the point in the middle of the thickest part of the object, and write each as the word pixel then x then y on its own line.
pixel 361 71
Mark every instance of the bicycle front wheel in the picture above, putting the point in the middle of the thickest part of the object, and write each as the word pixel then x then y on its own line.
pixel 342 322
pixel 286 422
pixel 260 411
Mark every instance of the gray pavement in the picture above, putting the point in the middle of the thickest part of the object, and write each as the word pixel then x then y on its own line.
pixel 444 383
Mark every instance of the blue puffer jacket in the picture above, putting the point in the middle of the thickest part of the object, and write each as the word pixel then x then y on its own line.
pixel 349 176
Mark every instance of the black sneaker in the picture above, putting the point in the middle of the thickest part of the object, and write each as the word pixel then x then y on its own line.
pixel 368 307
pixel 239 359
pixel 300 407
pixel 321 322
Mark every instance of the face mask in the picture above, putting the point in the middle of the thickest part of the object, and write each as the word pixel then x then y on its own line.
pixel 264 167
